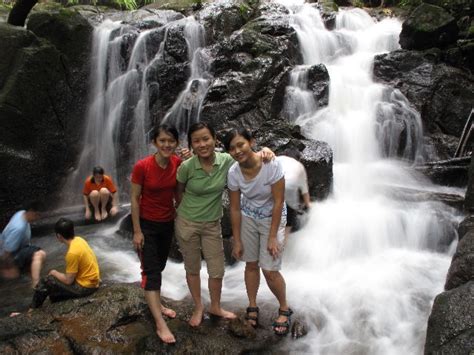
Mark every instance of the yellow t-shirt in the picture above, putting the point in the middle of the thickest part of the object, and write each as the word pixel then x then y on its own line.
pixel 81 260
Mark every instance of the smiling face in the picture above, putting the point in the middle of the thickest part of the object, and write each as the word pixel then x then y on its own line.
pixel 240 148
pixel 166 144
pixel 203 143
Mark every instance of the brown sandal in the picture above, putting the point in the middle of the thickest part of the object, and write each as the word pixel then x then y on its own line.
pixel 252 318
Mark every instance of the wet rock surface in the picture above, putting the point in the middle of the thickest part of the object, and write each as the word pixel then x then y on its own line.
pixel 43 96
pixel 451 322
pixel 116 320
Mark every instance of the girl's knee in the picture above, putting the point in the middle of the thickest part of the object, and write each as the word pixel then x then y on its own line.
pixel 104 191
pixel 40 255
pixel 93 194
pixel 271 275
pixel 252 266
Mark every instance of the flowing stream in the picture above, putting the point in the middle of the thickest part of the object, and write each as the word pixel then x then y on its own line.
pixel 364 270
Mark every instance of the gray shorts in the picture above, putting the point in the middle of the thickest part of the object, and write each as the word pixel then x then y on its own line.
pixel 254 236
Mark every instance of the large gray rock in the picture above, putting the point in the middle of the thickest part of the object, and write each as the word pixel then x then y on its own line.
pixel 116 319
pixel 250 70
pixel 451 322
pixel 461 270
pixel 428 26
pixel 442 94
pixel 43 85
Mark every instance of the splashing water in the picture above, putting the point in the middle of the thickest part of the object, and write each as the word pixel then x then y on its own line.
pixel 366 267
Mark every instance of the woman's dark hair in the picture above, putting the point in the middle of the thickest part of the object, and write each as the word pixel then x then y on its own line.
pixel 65 227
pixel 164 128
pixel 234 132
pixel 96 170
pixel 196 127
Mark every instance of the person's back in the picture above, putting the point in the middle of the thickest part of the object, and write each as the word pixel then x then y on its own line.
pixel 80 259
pixel 296 181
pixel 16 235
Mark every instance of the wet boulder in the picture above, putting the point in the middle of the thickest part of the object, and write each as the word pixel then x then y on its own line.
pixel 43 93
pixel 461 270
pixel 442 94
pixel 250 70
pixel 116 319
pixel 451 323
pixel 428 26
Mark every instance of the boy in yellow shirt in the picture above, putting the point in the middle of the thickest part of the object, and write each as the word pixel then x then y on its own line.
pixel 82 274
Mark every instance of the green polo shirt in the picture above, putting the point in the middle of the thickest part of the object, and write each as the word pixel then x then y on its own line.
pixel 202 198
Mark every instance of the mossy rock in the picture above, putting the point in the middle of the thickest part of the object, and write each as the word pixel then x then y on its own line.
pixel 428 26
pixel 183 6
pixel 67 29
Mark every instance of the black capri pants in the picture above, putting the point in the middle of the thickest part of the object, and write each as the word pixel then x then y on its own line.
pixel 154 254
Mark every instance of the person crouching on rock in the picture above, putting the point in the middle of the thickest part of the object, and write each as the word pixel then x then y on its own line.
pixel 17 254
pixel 99 191
pixel 258 216
pixel 82 274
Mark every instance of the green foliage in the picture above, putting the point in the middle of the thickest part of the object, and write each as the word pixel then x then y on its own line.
pixel 358 3
pixel 244 10
pixel 127 4
pixel 408 4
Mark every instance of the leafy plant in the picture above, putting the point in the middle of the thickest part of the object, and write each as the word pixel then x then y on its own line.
pixel 410 3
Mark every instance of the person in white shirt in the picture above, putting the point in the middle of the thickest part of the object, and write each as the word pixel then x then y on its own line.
pixel 258 217
pixel 296 191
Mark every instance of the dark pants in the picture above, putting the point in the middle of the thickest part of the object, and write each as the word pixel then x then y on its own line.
pixel 57 291
pixel 24 257
pixel 153 257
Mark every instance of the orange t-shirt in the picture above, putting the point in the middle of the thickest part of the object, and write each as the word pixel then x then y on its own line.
pixel 89 186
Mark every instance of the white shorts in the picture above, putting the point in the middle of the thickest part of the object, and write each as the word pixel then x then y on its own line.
pixel 254 235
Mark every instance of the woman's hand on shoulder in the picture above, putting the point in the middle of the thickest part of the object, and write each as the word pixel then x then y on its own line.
pixel 184 153
pixel 267 154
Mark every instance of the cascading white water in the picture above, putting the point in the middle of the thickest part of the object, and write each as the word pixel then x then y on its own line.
pixel 187 107
pixel 365 268
pixel 120 93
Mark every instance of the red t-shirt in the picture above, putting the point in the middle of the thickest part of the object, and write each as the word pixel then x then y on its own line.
pixel 158 188
pixel 90 186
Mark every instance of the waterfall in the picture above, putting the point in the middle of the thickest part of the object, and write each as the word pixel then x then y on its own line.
pixel 364 270
pixel 366 267
pixel 187 108
pixel 118 119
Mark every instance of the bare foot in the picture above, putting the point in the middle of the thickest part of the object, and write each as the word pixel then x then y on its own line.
pixel 14 314
pixel 97 216
pixel 196 318
pixel 220 312
pixel 168 312
pixel 165 334
pixel 104 215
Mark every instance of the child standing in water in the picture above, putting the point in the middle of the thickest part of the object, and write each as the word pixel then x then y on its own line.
pixel 258 218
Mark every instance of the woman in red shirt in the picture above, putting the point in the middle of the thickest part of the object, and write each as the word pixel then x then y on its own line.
pixel 98 190
pixel 153 213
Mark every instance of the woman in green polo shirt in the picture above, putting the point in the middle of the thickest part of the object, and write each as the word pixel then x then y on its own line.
pixel 201 182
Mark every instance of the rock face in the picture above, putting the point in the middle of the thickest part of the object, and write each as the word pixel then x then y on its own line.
pixel 442 94
pixel 428 26
pixel 43 82
pixel 116 319
pixel 451 322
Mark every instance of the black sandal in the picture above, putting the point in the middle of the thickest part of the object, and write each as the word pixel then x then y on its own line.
pixel 252 318
pixel 286 324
